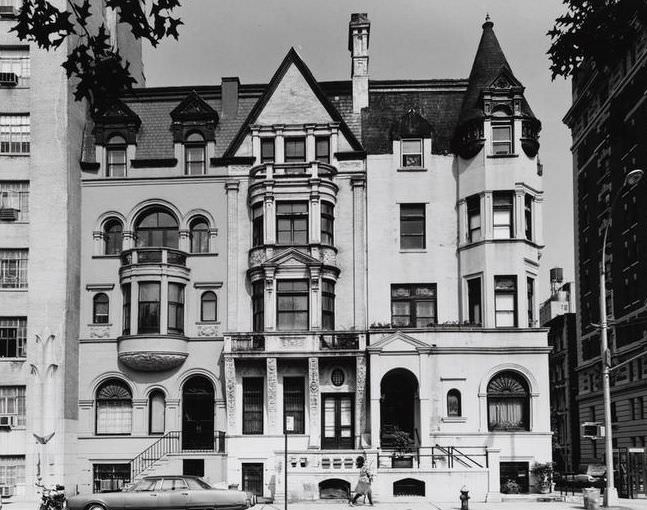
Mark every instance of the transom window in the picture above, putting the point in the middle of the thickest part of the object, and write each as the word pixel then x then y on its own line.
pixel 322 149
pixel 292 223
pixel 13 337
pixel 199 233
pixel 413 306
pixel 412 226
pixel 114 408
pixel 295 150
pixel 292 304
pixel 508 401
pixel 502 139
pixel 195 154
pixel 116 156
pixel 113 237
pixel 157 228
pixel 505 301
pixel 411 153
pixel 13 269
pixel 12 401
pixel 100 304
pixel 15 134
pixel 267 150
pixel 502 215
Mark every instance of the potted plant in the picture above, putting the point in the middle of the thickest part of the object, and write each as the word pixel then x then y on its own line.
pixel 543 474
pixel 402 445
pixel 510 487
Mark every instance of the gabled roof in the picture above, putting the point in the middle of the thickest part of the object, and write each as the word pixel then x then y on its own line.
pixel 398 342
pixel 193 107
pixel 292 58
pixel 118 112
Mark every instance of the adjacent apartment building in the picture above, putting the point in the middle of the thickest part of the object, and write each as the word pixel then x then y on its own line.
pixel 352 262
pixel 41 133
pixel 607 118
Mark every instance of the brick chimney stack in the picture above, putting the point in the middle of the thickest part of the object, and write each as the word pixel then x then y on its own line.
pixel 358 34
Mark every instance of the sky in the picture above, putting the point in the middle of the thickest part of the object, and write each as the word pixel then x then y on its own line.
pixel 410 39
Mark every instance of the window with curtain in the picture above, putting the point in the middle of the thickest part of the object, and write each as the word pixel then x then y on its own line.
pixel 327 223
pixel 156 412
pixel 12 470
pixel 157 228
pixel 294 402
pixel 12 401
pixel 100 308
pixel 114 407
pixel 176 308
pixel 252 405
pixel 149 308
pixel 413 306
pixel 508 402
pixel 267 150
pixel 199 234
pixel 474 218
pixel 195 154
pixel 258 305
pixel 112 237
pixel 502 225
pixel 454 403
pixel 327 304
pixel 292 304
pixel 505 301
pixel 116 156
pixel 257 225
pixel 208 307
pixel 125 310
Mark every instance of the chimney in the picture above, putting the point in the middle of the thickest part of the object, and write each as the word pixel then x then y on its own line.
pixel 230 96
pixel 358 32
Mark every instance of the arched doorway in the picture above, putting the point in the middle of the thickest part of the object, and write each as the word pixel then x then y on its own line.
pixel 197 414
pixel 398 405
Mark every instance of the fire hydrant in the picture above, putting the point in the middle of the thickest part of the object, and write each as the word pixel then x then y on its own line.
pixel 464 497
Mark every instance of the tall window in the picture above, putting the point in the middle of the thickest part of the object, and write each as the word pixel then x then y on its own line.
pixel 505 301
pixel 125 292
pixel 114 408
pixel 322 149
pixel 13 337
pixel 100 308
pixel 13 269
pixel 292 304
pixel 474 219
pixel 116 156
pixel 295 149
pixel 199 233
pixel 508 401
pixel 258 305
pixel 12 401
pixel 257 225
pixel 15 60
pixel 12 470
pixel 176 308
pixel 528 215
pixel 157 228
pixel 474 300
pixel 149 308
pixel 15 195
pixel 412 226
pixel 411 153
pixel 530 288
pixel 502 138
pixel 327 304
pixel 454 403
pixel 252 405
pixel 208 307
pixel 156 412
pixel 267 150
pixel 327 223
pixel 195 154
pixel 292 222
pixel 502 215
pixel 15 134
pixel 112 237
pixel 294 402
pixel 413 306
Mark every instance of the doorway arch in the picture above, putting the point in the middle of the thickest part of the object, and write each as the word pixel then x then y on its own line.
pixel 399 405
pixel 197 414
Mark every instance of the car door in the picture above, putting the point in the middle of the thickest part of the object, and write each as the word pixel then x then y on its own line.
pixel 144 495
pixel 174 494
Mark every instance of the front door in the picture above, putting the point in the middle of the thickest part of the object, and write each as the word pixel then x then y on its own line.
pixel 337 430
pixel 197 414
pixel 253 478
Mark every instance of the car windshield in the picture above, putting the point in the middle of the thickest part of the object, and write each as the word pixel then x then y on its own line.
pixel 197 484
pixel 146 484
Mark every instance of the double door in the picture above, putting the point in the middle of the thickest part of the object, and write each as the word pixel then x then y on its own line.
pixel 337 430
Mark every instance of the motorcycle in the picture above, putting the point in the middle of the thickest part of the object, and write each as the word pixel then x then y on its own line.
pixel 52 498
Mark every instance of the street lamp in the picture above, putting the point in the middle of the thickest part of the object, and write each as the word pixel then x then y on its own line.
pixel 611 493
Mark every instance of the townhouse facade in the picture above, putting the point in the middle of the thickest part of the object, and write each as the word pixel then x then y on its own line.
pixel 347 264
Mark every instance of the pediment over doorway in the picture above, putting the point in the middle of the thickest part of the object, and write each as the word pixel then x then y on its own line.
pixel 399 342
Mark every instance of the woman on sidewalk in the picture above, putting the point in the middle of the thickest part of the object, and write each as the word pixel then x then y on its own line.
pixel 363 487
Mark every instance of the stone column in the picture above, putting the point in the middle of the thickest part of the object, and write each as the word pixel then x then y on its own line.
pixel 494 482
pixel 184 241
pixel 360 399
pixel 314 236
pixel 163 304
pixel 314 409
pixel 463 226
pixel 538 220
pixel 139 417
pixel 273 418
pixel 269 219
pixel 358 184
pixel 233 253
pixel 310 142
pixel 269 310
pixel 256 146
pixel 134 308
pixel 519 216
pixel 230 395
pixel 487 212
pixel 334 146
pixel 128 240
pixel 279 145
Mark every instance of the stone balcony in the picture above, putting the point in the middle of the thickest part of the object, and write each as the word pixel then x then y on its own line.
pixel 295 344
pixel 152 352
pixel 308 170
pixel 147 261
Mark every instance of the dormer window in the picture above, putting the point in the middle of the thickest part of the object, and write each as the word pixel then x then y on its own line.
pixel 322 149
pixel 295 150
pixel 194 154
pixel 116 156
pixel 267 150
pixel 411 153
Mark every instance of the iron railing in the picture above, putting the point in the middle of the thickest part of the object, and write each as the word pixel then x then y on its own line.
pixel 450 457
pixel 339 341
pixel 248 343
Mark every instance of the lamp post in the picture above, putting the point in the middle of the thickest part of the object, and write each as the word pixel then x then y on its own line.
pixel 611 493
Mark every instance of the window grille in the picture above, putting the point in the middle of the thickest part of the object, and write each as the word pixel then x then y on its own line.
pixel 15 60
pixel 294 402
pixel 252 405
pixel 12 401
pixel 110 477
pixel 15 195
pixel 13 269
pixel 15 136
pixel 13 337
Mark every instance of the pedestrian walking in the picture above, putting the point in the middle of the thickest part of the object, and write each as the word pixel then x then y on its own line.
pixel 363 487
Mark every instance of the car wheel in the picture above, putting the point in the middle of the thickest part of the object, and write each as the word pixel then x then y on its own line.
pixel 95 506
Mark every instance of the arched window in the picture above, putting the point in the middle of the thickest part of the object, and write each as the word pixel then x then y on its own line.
pixel 209 307
pixel 100 307
pixel 116 156
pixel 112 237
pixel 114 408
pixel 454 403
pixel 508 401
pixel 199 232
pixel 156 412
pixel 157 228
pixel 194 154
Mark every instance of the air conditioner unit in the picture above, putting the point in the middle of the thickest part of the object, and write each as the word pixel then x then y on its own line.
pixel 7 420
pixel 8 79
pixel 8 10
pixel 8 214
pixel 593 430
pixel 6 491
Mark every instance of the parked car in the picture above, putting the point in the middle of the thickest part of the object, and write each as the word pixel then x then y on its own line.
pixel 168 492
pixel 590 475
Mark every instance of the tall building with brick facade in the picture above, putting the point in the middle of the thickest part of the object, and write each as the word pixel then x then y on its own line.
pixel 351 261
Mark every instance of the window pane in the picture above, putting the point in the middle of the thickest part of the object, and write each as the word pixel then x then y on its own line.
pixel 157 413
pixel 252 405
pixel 322 149
pixel 267 150
pixel 411 146
pixel 295 149
pixel 501 133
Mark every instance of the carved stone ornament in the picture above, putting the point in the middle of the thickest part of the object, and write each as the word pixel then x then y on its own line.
pixel 208 330
pixel 502 83
pixel 272 390
pixel 147 361
pixel 292 341
pixel 257 257
pixel 99 331
pixel 313 376
pixel 360 391
pixel 230 391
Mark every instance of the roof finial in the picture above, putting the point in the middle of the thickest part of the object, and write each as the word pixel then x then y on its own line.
pixel 488 21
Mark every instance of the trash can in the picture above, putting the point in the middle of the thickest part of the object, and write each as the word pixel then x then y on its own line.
pixel 585 496
pixel 594 499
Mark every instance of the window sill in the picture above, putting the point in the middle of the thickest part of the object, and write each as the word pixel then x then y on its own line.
pixel 13 359
pixel 411 169
pixel 454 419
pixel 105 256
pixel 10 289
pixel 103 324
pixel 15 155
pixel 414 250
pixel 201 254
pixel 208 323
pixel 499 156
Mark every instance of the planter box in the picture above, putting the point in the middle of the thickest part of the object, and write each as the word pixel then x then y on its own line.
pixel 401 462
